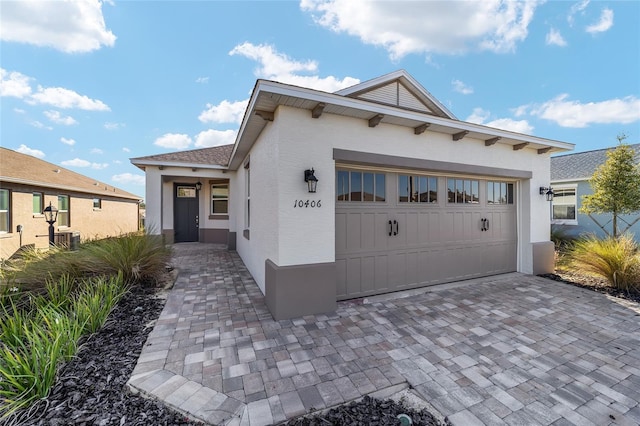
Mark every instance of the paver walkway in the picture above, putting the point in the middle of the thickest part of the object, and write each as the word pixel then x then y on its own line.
pixel 513 349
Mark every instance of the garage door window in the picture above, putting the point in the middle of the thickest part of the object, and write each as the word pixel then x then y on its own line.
pixel 360 186
pixel 499 193
pixel 463 191
pixel 417 189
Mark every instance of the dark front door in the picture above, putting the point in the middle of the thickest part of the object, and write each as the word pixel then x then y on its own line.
pixel 185 214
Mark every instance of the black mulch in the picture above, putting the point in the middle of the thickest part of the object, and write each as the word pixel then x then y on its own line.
pixel 91 389
pixel 370 412
pixel 594 284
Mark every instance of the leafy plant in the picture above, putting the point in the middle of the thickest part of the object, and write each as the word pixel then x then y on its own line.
pixel 615 259
pixel 95 302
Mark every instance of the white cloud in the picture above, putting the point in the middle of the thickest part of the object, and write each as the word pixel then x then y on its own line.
pixel 460 87
pixel 274 65
pixel 78 162
pixel 113 126
pixel 173 141
pixel 554 38
pixel 224 112
pixel 66 141
pixel 19 111
pixel 577 8
pixel 58 118
pixel 575 114
pixel 32 152
pixel 39 125
pixel 64 98
pixel 211 137
pixel 14 84
pixel 17 85
pixel 125 149
pixel 69 26
pixel 428 26
pixel 202 80
pixel 480 116
pixel 604 24
pixel 97 151
pixel 128 178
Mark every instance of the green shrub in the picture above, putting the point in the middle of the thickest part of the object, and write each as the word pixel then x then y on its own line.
pixel 95 301
pixel 139 257
pixel 34 342
pixel 615 259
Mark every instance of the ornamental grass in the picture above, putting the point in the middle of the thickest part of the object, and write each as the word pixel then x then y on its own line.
pixel 615 259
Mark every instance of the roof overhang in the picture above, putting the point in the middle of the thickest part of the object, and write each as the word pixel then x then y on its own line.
pixel 267 96
pixel 142 164
pixel 104 193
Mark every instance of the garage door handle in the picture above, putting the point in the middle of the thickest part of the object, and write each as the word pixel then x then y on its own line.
pixel 486 226
pixel 395 222
pixel 483 224
pixel 390 228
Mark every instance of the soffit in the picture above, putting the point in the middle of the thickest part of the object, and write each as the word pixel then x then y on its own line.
pixel 268 96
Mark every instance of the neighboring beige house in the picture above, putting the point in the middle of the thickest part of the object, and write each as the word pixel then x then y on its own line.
pixel 88 207
pixel 403 194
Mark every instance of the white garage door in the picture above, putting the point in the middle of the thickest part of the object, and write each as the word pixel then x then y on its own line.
pixel 396 231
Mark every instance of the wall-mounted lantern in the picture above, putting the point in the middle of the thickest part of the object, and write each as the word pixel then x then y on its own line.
pixel 50 216
pixel 198 186
pixel 547 191
pixel 311 179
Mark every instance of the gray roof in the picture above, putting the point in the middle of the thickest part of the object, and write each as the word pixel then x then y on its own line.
pixel 217 155
pixel 581 165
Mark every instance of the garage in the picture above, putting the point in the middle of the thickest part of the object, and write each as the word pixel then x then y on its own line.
pixel 398 230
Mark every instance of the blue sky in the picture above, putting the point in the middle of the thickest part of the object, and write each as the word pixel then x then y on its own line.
pixel 88 85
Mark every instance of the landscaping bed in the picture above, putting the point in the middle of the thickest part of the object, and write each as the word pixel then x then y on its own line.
pixel 592 283
pixel 91 388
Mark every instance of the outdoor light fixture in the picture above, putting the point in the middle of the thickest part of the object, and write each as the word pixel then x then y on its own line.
pixel 311 179
pixel 50 216
pixel 198 186
pixel 547 191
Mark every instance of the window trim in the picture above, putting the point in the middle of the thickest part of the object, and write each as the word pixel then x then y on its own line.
pixel 574 187
pixel 362 172
pixel 470 180
pixel 68 211
pixel 40 213
pixel 213 214
pixel 8 210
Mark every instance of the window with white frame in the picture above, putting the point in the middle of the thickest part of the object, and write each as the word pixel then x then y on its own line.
pixel 219 198
pixel 5 211
pixel 38 202
pixel 97 203
pixel 63 210
pixel 565 205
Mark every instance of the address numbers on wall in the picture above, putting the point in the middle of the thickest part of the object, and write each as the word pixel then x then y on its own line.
pixel 307 204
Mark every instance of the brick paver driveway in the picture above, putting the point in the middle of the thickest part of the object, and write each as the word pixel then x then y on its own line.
pixel 512 349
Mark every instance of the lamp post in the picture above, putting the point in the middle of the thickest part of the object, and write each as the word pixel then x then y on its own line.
pixel 50 216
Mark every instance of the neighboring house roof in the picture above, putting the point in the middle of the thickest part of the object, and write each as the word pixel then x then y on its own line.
pixel 214 157
pixel 581 165
pixel 28 170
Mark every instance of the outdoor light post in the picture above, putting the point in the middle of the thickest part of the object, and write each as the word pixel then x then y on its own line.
pixel 50 216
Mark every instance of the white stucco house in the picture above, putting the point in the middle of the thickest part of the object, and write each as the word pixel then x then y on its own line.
pixel 407 195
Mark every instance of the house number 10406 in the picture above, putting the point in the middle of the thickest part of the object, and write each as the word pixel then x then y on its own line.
pixel 306 203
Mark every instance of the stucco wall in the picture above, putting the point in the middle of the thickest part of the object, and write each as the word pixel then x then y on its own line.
pixel 266 179
pixel 115 217
pixel 159 197
pixel 307 235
